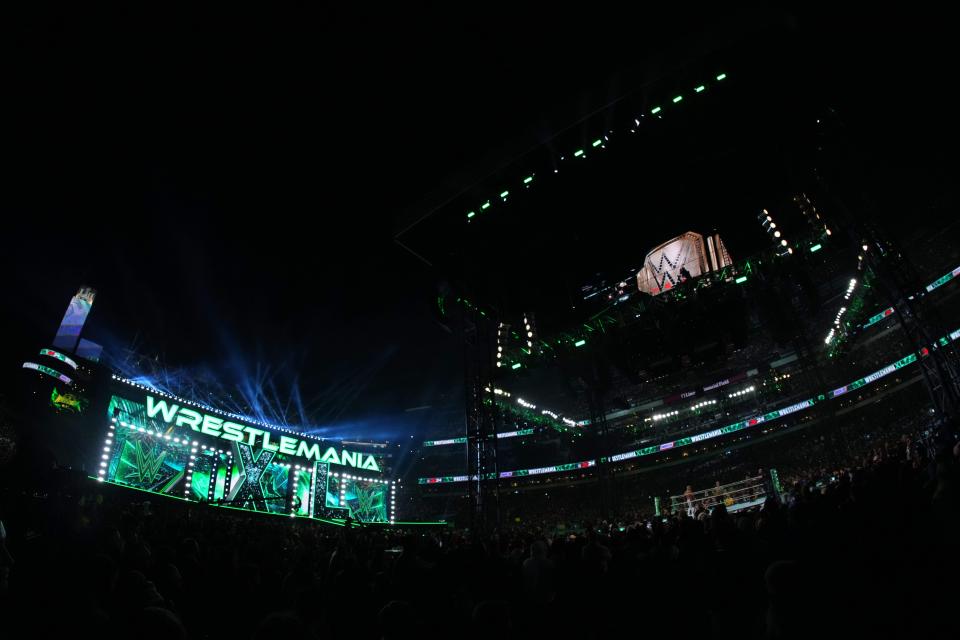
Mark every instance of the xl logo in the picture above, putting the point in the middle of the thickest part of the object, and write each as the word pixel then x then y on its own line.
pixel 249 489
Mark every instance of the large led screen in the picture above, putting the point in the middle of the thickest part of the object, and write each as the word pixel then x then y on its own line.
pixel 252 468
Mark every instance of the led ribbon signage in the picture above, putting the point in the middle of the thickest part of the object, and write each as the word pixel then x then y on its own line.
pixel 59 356
pixel 700 437
pixel 502 434
pixel 939 282
pixel 47 370
pixel 586 464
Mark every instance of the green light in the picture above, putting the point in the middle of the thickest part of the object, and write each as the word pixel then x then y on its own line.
pixel 722 76
pixel 700 88
pixel 528 180
pixel 485 205
pixel 47 370
pixel 516 365
pixel 877 318
pixel 504 194
pixel 471 214
pixel 939 282
pixel 597 142
pixel 677 99
pixel 578 153
pixel 579 343
pixel 816 248
pixel 741 279
pixel 655 110
pixel 59 356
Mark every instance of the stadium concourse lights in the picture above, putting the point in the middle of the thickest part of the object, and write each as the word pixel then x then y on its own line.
pixel 497 391
pixel 532 406
pixel 742 392
pixel 663 416
pixel 836 321
pixel 770 226
pixel 850 288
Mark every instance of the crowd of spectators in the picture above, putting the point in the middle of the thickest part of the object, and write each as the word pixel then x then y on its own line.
pixel 863 544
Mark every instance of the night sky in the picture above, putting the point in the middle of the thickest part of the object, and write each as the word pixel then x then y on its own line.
pixel 231 182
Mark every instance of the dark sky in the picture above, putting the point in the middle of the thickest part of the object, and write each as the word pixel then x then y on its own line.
pixel 231 181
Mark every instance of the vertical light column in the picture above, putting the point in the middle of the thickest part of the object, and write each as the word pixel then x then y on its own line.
pixel 311 493
pixel 107 450
pixel 190 466
pixel 296 486
pixel 393 502
pixel 212 485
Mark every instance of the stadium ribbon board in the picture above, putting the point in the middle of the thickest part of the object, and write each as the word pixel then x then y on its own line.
pixel 715 433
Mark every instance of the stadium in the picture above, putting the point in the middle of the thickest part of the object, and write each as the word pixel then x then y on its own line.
pixel 134 435
pixel 760 393
pixel 682 358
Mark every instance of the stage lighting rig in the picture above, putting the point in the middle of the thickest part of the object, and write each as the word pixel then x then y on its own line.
pixel 503 333
pixel 810 213
pixel 776 235
pixel 530 330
